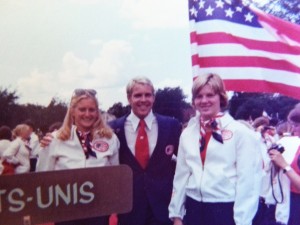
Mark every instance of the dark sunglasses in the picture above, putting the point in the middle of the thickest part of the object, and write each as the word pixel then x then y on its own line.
pixel 79 92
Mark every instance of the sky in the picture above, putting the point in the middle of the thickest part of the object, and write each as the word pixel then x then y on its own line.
pixel 51 47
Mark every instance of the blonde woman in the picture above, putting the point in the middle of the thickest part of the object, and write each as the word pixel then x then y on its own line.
pixel 218 171
pixel 83 140
pixel 18 151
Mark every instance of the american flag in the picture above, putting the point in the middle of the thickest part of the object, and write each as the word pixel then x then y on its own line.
pixel 251 50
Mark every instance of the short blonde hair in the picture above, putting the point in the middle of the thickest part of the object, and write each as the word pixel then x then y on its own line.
pixel 215 82
pixel 20 129
pixel 138 80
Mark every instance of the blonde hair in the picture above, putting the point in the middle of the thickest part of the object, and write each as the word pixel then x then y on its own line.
pixel 19 130
pixel 99 127
pixel 215 82
pixel 138 80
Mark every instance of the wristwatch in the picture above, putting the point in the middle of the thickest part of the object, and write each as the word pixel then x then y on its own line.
pixel 287 168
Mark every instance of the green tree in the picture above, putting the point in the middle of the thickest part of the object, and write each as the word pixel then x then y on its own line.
pixel 8 106
pixel 285 9
pixel 54 112
pixel 118 110
pixel 249 106
pixel 170 102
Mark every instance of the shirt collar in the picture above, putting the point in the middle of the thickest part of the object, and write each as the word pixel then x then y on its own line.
pixel 135 120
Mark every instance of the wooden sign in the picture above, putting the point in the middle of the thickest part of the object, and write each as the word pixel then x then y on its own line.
pixel 55 196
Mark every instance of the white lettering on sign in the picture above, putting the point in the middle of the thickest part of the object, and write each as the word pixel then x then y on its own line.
pixel 17 205
pixel 54 195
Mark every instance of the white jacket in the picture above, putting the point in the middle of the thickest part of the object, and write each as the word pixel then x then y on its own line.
pixel 18 153
pixel 231 173
pixel 69 154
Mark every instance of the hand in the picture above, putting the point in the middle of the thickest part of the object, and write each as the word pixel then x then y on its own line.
pixel 177 221
pixel 277 158
pixel 46 140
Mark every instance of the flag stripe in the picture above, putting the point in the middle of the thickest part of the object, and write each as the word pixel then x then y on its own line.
pixel 244 61
pixel 258 85
pixel 240 50
pixel 213 26
pixel 253 73
pixel 286 28
pixel 225 38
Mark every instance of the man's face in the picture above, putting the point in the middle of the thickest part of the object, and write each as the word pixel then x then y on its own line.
pixel 141 100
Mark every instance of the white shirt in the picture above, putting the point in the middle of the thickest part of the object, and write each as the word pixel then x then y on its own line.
pixel 290 144
pixel 231 173
pixel 3 146
pixel 34 145
pixel 131 130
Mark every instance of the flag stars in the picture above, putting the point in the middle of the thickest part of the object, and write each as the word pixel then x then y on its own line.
pixel 209 11
pixel 239 9
pixel 193 12
pixel 201 4
pixel 219 4
pixel 229 12
pixel 248 17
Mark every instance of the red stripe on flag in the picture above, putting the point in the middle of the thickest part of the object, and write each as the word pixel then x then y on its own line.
pixel 243 61
pixel 282 27
pixel 262 86
pixel 225 38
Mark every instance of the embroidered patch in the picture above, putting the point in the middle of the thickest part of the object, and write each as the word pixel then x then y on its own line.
pixel 100 146
pixel 226 134
pixel 169 149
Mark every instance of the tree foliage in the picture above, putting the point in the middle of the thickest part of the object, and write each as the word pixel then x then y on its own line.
pixel 249 106
pixel 285 9
pixel 118 110
pixel 12 113
pixel 171 102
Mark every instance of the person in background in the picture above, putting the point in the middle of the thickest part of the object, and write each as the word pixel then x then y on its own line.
pixel 284 129
pixel 33 144
pixel 268 132
pixel 18 151
pixel 274 193
pixel 83 140
pixel 148 144
pixel 54 126
pixel 289 163
pixel 5 139
pixel 218 171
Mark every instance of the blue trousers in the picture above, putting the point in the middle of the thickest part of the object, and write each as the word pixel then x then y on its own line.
pixel 294 209
pixel 265 214
pixel 202 213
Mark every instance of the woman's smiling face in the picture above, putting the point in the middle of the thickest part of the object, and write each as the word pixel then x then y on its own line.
pixel 207 102
pixel 85 114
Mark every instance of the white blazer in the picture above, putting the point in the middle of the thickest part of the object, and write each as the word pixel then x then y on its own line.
pixel 18 153
pixel 231 173
pixel 69 154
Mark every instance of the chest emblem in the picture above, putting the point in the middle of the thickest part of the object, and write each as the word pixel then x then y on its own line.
pixel 99 146
pixel 169 149
pixel 226 134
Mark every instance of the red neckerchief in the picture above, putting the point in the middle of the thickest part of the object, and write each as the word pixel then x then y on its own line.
pixel 84 138
pixel 209 128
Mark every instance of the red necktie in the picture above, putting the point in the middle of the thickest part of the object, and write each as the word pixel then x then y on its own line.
pixel 142 145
